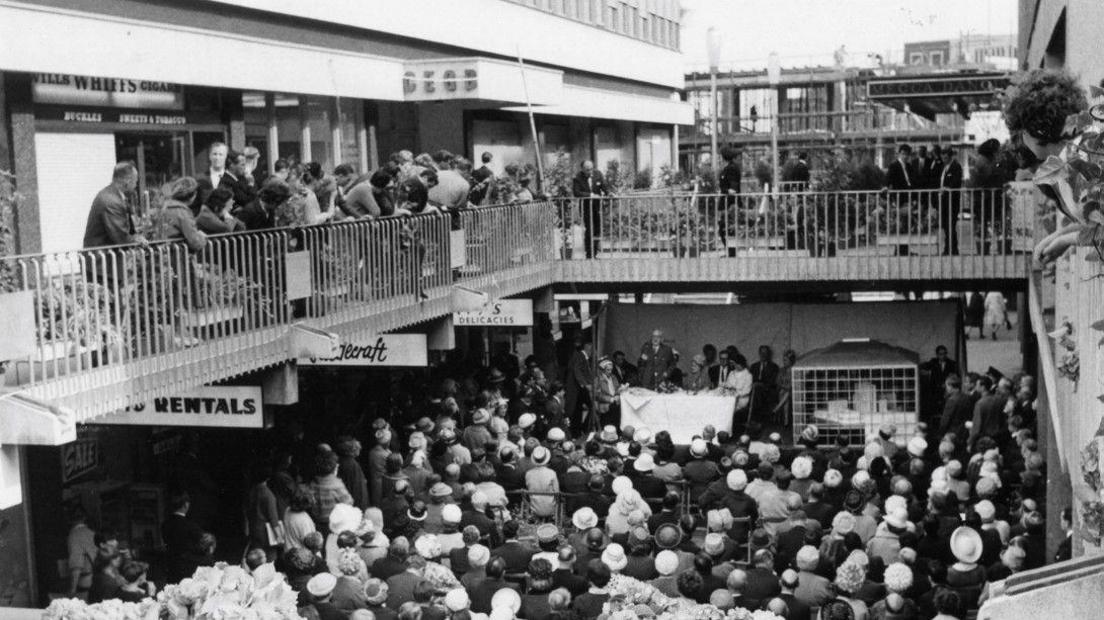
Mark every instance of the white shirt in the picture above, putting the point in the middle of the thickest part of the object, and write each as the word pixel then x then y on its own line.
pixel 215 176
pixel 739 381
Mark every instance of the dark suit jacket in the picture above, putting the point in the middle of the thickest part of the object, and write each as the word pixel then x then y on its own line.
pixel 516 555
pixel 581 189
pixel 482 594
pixel 244 193
pixel 762 585
pixel 729 178
pixel 564 578
pixel 401 589
pixel 255 216
pixel 798 609
pixel 956 412
pixel 767 374
pixel 939 373
pixel 387 567
pixel 110 222
pixel 951 176
pixel 654 369
pixel 181 536
pixel 988 418
pixel 897 177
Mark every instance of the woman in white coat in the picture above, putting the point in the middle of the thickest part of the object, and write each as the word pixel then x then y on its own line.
pixel 996 312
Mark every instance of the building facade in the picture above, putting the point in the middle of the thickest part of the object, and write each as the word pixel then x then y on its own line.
pixel 1062 34
pixel 337 82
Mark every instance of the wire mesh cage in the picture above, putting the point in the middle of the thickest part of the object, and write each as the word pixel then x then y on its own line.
pixel 850 390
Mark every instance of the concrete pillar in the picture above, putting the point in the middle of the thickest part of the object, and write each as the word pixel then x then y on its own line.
pixel 28 231
pixel 272 137
pixel 5 132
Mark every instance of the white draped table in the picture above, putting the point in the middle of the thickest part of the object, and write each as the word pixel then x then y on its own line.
pixel 681 414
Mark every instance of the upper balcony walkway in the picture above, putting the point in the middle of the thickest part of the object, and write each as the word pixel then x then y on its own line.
pixel 859 124
pixel 99 330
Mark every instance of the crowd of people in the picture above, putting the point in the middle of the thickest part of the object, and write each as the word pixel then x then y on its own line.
pixel 234 195
pixel 490 503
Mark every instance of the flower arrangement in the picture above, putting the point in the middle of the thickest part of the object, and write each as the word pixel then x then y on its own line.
pixel 213 593
pixel 1069 363
pixel 627 595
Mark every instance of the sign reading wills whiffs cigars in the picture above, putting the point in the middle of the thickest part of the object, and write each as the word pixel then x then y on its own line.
pixel 382 350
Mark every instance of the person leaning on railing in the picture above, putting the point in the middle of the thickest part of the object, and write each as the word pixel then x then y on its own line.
pixel 111 219
pixel 175 221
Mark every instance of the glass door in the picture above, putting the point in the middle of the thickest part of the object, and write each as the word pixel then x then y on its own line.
pixel 158 156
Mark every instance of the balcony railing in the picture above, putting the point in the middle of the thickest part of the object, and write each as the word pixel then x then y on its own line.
pixel 799 235
pixel 812 124
pixel 122 325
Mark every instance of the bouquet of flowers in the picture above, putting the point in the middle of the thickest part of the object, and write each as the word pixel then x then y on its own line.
pixel 114 609
pixel 213 593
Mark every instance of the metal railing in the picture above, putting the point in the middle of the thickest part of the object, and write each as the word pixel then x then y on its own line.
pixel 794 224
pixel 153 317
pixel 834 123
pixel 118 326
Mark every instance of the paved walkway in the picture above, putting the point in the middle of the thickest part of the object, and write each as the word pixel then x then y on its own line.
pixel 1002 353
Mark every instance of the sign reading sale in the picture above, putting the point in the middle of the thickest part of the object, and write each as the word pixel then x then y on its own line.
pixel 498 313
pixel 211 406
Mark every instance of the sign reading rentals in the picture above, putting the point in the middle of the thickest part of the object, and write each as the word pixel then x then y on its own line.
pixel 384 350
pixel 498 313
pixel 211 406
pixel 65 89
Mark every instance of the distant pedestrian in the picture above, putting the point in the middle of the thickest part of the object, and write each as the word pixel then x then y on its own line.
pixel 996 313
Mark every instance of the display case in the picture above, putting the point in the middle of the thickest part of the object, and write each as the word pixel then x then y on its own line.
pixel 850 389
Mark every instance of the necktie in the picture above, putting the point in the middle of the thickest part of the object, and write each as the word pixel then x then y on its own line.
pixel 904 169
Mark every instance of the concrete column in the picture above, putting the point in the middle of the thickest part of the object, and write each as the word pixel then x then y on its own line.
pixel 28 230
pixel 272 133
pixel 367 142
pixel 5 133
pixel 335 131
pixel 305 154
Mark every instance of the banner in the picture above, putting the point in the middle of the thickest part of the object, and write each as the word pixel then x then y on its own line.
pixel 498 313
pixel 209 406
pixel 384 350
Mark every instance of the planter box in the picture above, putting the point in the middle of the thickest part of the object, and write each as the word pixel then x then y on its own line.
pixel 193 319
pixel 49 360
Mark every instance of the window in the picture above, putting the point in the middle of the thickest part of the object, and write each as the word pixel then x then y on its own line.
pixel 350 114
pixel 613 19
pixel 916 58
pixel 288 127
pixel 936 59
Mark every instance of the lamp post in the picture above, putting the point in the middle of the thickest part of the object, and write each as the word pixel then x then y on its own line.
pixel 774 77
pixel 713 40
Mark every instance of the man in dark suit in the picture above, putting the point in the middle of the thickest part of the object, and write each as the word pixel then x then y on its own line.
pixel 580 378
pixel 797 608
pixel 950 202
pixel 182 537
pixel 624 371
pixel 589 187
pixel 957 408
pixel 719 372
pixel 483 176
pixel 111 220
pixel 938 368
pixel 799 173
pixel 900 175
pixel 237 180
pixel 988 413
pixel 400 587
pixel 482 594
pixel 655 361
pixel 514 553
pixel 764 374
pixel 554 406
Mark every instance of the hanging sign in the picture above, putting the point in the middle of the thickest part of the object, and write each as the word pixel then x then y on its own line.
pixel 78 459
pixel 209 406
pixel 382 350
pixel 498 313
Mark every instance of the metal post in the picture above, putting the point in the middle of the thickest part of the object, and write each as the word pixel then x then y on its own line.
pixel 774 77
pixel 713 128
pixel 532 121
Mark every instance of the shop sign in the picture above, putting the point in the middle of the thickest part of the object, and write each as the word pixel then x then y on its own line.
pixel 382 350
pixel 97 116
pixel 434 81
pixel 498 313
pixel 209 406
pixel 66 89
pixel 78 459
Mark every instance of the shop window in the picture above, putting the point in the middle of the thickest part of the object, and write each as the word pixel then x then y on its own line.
pixel 321 134
pixel 288 128
pixel 350 129
pixel 256 126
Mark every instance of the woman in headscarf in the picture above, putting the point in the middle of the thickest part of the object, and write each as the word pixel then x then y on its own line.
pixel 175 221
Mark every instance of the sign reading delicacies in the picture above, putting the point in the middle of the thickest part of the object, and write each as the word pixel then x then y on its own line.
pixel 65 89
pixel 498 313
pixel 217 406
pixel 383 350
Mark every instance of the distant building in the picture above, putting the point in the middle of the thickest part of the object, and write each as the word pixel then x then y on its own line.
pixel 1063 34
